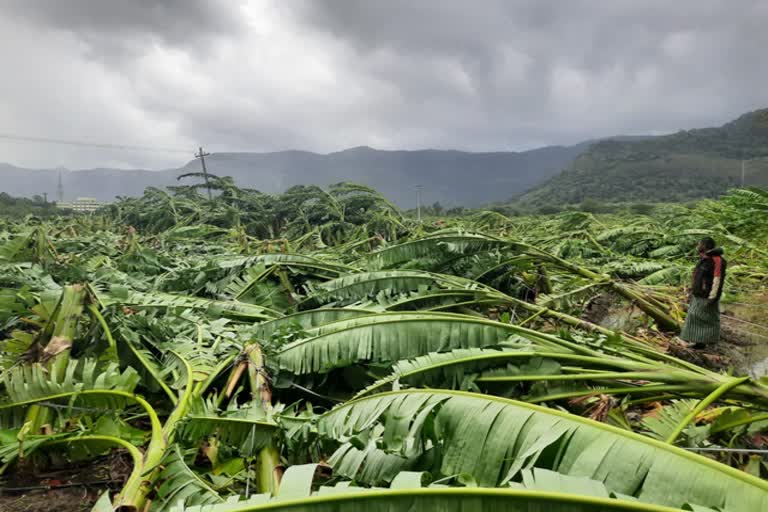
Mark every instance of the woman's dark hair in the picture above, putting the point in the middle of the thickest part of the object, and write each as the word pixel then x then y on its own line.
pixel 707 243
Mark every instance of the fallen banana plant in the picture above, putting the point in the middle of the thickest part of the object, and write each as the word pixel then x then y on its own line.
pixel 494 439
pixel 176 327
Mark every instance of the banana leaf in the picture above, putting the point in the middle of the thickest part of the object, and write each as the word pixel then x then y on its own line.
pixel 493 439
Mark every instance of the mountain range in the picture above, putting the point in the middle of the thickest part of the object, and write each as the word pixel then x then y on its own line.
pixel 685 165
pixel 449 177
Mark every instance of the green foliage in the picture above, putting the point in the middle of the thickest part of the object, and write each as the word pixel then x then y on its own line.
pixel 507 437
pixel 178 327
pixel 684 166
pixel 334 215
pixel 20 207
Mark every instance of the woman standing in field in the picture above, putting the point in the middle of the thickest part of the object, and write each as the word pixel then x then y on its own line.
pixel 702 325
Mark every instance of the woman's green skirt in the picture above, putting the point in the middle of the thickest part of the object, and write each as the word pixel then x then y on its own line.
pixel 702 325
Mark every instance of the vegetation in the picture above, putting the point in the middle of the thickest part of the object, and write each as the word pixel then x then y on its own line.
pixel 18 207
pixel 687 165
pixel 320 351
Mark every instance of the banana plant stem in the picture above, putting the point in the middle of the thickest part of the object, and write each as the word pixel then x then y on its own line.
pixel 717 393
pixel 610 376
pixel 678 388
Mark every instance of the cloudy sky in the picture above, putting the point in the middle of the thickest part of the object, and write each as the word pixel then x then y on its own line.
pixel 324 75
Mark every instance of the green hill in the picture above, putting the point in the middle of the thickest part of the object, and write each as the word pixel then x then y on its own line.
pixel 686 165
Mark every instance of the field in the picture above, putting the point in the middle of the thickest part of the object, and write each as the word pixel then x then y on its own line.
pixel 321 350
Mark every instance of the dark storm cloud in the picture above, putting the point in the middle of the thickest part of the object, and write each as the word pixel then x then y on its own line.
pixel 328 74
pixel 128 26
pixel 709 53
pixel 174 20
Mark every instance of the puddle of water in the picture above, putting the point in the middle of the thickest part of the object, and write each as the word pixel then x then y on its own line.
pixel 622 319
pixel 747 322
pixel 759 369
pixel 756 360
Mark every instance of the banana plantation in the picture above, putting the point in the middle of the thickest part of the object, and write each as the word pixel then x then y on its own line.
pixel 322 351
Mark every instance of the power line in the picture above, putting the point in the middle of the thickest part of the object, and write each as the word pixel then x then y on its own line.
pixel 742 168
pixel 418 202
pixel 60 189
pixel 79 143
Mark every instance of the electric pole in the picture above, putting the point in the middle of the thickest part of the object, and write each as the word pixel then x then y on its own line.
pixel 742 168
pixel 418 202
pixel 60 189
pixel 45 197
pixel 201 155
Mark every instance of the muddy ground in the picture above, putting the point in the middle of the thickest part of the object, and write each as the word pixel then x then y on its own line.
pixel 63 488
pixel 743 347
pixel 70 499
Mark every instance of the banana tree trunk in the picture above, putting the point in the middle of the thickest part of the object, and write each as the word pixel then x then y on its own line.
pixel 664 320
pixel 65 322
pixel 58 336
pixel 134 495
pixel 638 345
pixel 270 471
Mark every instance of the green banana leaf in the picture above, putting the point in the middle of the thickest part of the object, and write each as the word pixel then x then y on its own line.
pixel 396 336
pixel 155 299
pixel 542 491
pixel 441 245
pixel 466 499
pixel 355 287
pixel 307 320
pixel 493 439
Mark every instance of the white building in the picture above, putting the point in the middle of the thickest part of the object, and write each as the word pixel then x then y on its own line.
pixel 82 204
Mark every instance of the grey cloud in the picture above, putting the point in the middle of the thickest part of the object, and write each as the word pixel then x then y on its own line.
pixel 176 20
pixel 119 28
pixel 610 46
pixel 327 74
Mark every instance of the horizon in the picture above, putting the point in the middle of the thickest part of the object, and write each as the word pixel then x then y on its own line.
pixel 363 146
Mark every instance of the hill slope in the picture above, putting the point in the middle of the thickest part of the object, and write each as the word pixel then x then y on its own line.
pixel 103 184
pixel 682 166
pixel 686 165
pixel 450 177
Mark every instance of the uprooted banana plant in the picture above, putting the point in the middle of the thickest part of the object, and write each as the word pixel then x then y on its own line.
pixel 371 362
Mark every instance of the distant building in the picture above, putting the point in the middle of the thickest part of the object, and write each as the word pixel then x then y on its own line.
pixel 82 204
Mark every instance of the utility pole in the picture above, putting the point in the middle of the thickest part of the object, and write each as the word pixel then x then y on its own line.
pixel 45 197
pixel 60 190
pixel 418 202
pixel 201 155
pixel 742 168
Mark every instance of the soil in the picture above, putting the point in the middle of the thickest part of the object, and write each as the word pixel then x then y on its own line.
pixel 611 311
pixel 69 499
pixel 744 333
pixel 601 306
pixel 62 489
